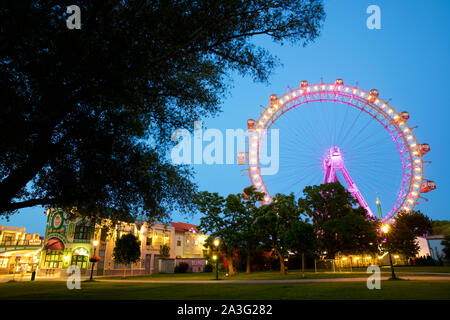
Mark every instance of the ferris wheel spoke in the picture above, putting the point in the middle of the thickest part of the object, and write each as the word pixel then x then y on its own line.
pixel 352 126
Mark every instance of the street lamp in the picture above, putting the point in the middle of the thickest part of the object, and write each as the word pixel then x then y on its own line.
pixel 217 261
pixel 215 258
pixel 385 230
pixel 93 259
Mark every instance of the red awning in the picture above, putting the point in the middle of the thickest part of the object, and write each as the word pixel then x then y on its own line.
pixel 54 244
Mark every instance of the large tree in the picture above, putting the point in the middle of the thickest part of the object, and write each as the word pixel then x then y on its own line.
pixel 245 210
pixel 415 221
pixel 277 224
pixel 220 224
pixel 87 114
pixel 402 235
pixel 341 226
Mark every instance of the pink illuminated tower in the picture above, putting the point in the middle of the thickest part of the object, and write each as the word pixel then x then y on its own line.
pixel 333 162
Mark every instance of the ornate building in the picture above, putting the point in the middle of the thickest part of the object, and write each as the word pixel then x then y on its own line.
pixel 71 240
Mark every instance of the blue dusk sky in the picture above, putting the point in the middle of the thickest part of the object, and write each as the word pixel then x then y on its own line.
pixel 407 60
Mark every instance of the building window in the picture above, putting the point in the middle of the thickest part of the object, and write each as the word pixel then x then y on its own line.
pixel 80 260
pixel 121 266
pixel 149 241
pixel 103 234
pixel 83 232
pixel 53 259
pixel 179 243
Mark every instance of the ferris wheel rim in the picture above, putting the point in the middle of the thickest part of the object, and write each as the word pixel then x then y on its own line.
pixel 412 176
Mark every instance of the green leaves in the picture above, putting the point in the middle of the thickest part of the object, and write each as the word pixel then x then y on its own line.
pixel 341 227
pixel 402 235
pixel 88 114
pixel 127 249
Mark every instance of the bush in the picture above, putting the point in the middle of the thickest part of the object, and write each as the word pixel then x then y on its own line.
pixel 425 261
pixel 182 267
pixel 208 268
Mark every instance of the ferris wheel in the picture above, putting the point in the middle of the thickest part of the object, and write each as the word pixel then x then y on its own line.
pixel 335 132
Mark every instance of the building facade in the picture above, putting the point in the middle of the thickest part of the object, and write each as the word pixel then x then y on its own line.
pixel 19 250
pixel 71 241
pixel 431 246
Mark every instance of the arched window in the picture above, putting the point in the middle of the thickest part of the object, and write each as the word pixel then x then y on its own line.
pixel 80 258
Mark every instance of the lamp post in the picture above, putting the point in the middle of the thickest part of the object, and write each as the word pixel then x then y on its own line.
pixel 95 244
pixel 215 257
pixel 385 230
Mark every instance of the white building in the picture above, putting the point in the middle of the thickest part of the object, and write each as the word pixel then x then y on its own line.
pixel 431 246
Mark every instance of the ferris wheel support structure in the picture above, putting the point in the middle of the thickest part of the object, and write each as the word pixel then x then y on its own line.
pixel 335 162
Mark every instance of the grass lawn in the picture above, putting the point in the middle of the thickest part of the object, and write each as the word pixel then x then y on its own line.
pixel 292 274
pixel 404 290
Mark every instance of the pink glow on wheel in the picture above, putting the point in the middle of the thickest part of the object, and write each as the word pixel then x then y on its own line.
pixel 394 123
pixel 333 162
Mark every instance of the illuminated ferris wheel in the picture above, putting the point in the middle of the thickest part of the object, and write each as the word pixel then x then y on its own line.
pixel 335 132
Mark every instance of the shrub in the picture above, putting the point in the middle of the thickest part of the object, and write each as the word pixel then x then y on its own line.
pixel 208 268
pixel 425 261
pixel 182 267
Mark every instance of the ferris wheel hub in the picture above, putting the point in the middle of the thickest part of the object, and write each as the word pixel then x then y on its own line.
pixel 334 158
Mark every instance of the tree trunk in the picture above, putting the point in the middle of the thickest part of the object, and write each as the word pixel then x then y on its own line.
pixel 230 267
pixel 282 267
pixel 124 271
pixel 249 255
pixel 248 269
pixel 303 264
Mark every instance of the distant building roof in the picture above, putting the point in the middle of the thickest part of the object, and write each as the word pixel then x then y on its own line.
pixel 184 227
pixel 436 237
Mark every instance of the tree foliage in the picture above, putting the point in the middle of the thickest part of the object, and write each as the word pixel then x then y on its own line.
pixel 446 249
pixel 341 227
pixel 230 220
pixel 220 224
pixel 164 251
pixel 440 227
pixel 415 221
pixel 87 114
pixel 403 233
pixel 127 249
pixel 245 209
pixel 277 226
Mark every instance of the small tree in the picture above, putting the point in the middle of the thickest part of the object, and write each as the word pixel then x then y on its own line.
pixel 127 250
pixel 164 251
pixel 302 239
